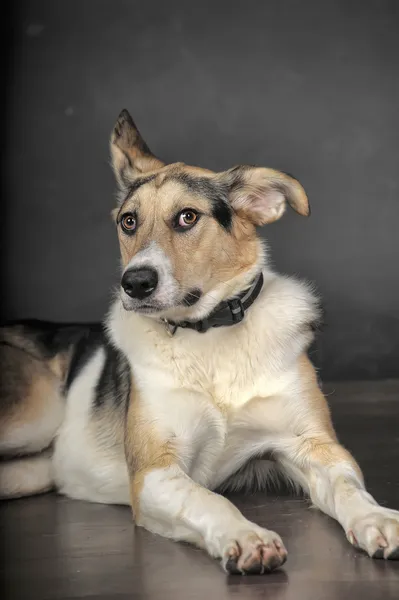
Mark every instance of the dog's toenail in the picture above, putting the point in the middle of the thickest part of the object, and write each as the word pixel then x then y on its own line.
pixel 231 567
pixel 254 569
pixel 274 562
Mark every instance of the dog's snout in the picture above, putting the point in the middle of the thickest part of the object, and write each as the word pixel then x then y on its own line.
pixel 140 283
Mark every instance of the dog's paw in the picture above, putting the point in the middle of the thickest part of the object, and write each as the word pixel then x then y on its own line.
pixel 254 553
pixel 377 533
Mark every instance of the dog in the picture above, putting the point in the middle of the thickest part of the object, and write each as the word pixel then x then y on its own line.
pixel 199 380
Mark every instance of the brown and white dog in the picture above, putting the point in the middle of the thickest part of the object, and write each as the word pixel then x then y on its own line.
pixel 200 374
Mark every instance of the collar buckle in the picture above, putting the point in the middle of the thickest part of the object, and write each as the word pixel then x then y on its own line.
pixel 237 310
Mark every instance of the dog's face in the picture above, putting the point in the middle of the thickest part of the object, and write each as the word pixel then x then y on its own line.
pixel 188 235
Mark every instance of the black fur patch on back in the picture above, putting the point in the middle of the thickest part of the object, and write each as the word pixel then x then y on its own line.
pixel 44 340
pixel 113 387
pixel 89 341
pixel 215 192
pixel 48 338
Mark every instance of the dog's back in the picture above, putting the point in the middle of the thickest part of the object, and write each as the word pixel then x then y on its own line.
pixel 42 363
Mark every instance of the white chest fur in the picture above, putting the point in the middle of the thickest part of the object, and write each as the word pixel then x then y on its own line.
pixel 230 365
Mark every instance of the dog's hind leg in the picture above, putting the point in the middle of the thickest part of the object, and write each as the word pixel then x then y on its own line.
pixel 26 476
pixel 31 402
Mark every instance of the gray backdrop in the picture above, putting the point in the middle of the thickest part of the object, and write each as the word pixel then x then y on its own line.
pixel 307 86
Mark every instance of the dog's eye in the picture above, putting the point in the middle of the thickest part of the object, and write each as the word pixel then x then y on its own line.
pixel 128 223
pixel 187 218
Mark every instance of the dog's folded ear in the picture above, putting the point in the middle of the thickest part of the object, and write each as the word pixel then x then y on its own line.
pixel 261 194
pixel 131 157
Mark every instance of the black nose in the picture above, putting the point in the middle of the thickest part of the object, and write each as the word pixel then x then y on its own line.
pixel 139 283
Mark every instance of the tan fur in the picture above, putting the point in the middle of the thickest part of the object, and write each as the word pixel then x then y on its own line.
pixel 209 255
pixel 145 450
pixel 130 153
pixel 256 181
pixel 26 476
pixel 319 404
pixel 59 365
pixel 323 449
pixel 30 396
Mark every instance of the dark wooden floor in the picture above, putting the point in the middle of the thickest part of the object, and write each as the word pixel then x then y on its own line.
pixel 58 548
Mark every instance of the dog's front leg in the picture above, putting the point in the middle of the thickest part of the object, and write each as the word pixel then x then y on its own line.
pixel 167 501
pixel 333 479
pixel 335 485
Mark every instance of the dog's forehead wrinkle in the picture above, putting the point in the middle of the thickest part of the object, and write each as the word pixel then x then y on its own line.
pixel 136 184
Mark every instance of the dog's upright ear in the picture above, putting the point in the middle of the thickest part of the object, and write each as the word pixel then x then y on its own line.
pixel 131 157
pixel 261 194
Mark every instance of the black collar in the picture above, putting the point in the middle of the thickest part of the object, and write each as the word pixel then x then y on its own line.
pixel 226 313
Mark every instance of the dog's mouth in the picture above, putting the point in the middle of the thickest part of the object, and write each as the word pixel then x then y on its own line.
pixel 146 308
pixel 149 309
pixel 154 307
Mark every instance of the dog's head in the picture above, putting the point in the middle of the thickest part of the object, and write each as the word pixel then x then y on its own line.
pixel 187 235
